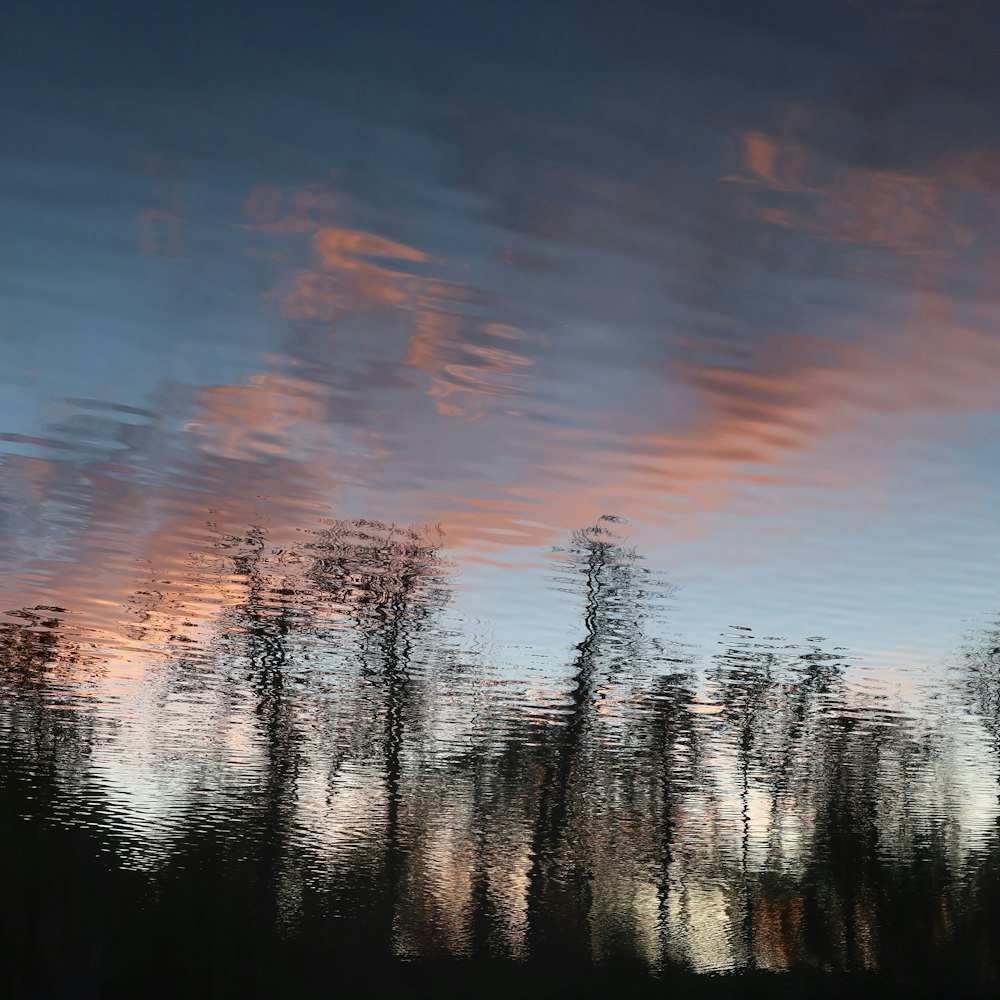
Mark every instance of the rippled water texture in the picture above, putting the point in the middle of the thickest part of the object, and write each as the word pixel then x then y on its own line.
pixel 500 485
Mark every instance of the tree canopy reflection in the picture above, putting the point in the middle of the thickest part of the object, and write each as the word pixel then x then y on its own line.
pixel 760 811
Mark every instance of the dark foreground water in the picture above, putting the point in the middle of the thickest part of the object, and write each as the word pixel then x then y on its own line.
pixel 500 499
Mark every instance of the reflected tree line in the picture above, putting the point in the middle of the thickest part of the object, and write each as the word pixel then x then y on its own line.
pixel 406 798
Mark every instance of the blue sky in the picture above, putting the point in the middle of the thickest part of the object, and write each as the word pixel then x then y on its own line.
pixel 730 274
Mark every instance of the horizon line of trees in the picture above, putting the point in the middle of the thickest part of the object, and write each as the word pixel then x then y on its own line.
pixel 759 813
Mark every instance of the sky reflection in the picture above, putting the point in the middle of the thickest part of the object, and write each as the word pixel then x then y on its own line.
pixel 522 475
pixel 729 274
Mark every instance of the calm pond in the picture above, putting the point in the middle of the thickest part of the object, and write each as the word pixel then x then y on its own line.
pixel 500 498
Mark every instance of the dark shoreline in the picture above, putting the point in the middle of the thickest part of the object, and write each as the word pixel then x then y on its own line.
pixel 75 925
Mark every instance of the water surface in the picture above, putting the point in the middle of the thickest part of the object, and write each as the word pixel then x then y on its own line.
pixel 500 483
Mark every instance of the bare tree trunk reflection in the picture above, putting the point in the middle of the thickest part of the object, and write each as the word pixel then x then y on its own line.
pixel 615 596
pixel 388 580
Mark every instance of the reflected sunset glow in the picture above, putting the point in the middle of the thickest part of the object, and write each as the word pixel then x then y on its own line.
pixel 510 485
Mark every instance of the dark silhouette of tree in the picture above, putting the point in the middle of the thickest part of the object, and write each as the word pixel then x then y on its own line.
pixel 676 750
pixel 388 580
pixel 602 804
pixel 811 681
pixel 617 595
pixel 845 873
pixel 780 706
pixel 35 655
pixel 46 736
pixel 747 675
pixel 980 680
pixel 258 633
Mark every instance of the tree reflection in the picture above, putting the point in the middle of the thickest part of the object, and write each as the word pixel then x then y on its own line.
pixel 36 658
pixel 46 735
pixel 761 812
pixel 981 677
pixel 617 596
pixel 747 676
pixel 262 624
pixel 388 581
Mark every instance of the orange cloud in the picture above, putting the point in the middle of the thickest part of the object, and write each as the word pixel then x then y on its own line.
pixel 760 153
pixel 142 569
pixel 904 213
pixel 760 418
pixel 265 417
pixel 461 370
pixel 356 271
pixel 756 428
pixel 351 273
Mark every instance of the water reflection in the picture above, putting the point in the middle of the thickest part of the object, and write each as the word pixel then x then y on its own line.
pixel 321 335
pixel 759 812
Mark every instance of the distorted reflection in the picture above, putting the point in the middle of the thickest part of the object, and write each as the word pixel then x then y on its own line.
pixel 761 812
pixel 492 488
